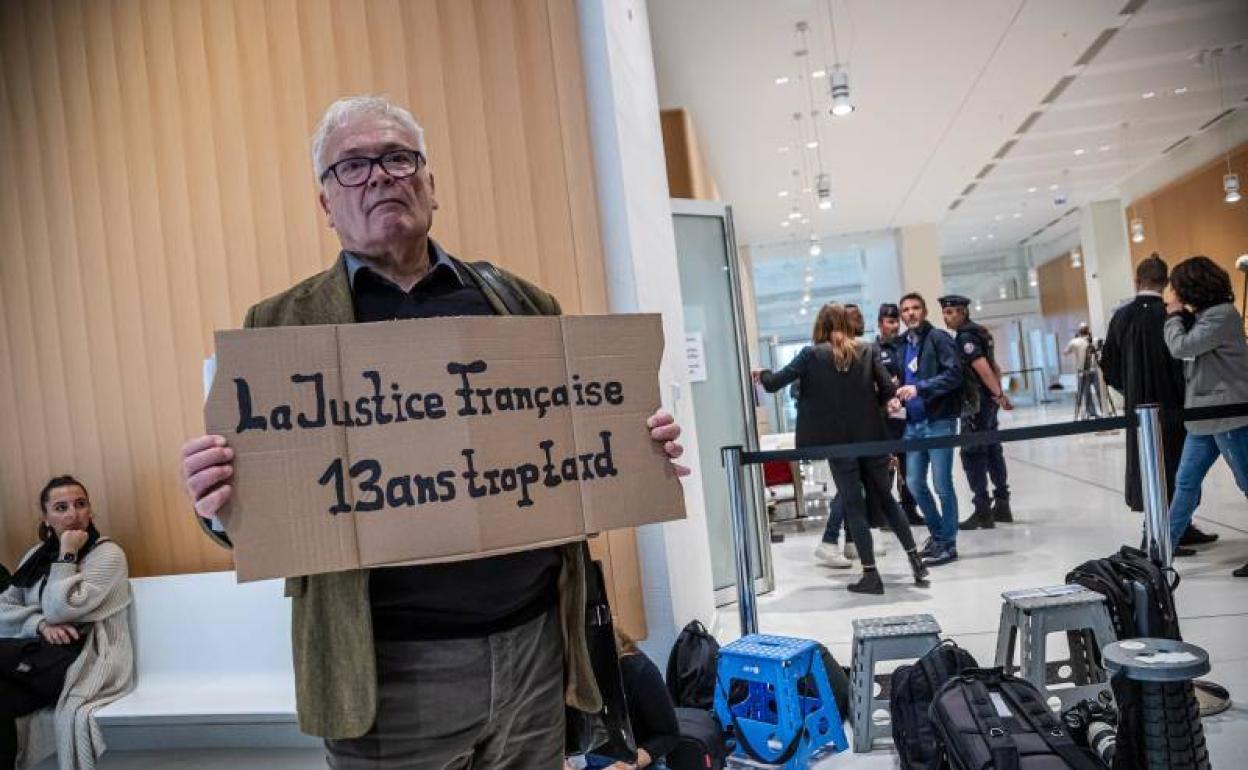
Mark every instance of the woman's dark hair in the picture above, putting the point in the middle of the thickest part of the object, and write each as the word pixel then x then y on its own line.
pixel 1199 282
pixel 46 492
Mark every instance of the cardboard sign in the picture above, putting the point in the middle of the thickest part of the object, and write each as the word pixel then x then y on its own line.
pixel 438 439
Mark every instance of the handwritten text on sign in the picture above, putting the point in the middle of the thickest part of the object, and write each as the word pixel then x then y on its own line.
pixel 496 433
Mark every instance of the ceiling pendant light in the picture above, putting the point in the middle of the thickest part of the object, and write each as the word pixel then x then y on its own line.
pixel 815 248
pixel 1076 258
pixel 823 189
pixel 841 105
pixel 1137 230
pixel 1003 292
pixel 1033 277
pixel 1230 185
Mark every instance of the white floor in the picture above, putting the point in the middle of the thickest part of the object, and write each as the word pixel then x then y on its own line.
pixel 1067 501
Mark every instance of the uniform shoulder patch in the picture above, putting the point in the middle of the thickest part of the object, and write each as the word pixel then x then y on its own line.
pixel 968 348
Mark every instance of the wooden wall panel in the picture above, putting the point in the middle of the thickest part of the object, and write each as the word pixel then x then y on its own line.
pixel 1189 217
pixel 1063 303
pixel 160 183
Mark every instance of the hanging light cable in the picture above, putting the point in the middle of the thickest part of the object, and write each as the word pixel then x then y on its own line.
pixel 1230 181
pixel 1135 223
pixel 823 183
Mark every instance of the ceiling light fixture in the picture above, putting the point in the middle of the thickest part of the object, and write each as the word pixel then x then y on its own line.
pixel 783 193
pixel 991 236
pixel 784 223
pixel 1052 187
pixel 1003 292
pixel 1230 181
pixel 795 214
pixel 815 249
pixel 825 204
pixel 1180 90
pixel 1080 151
pixel 1031 189
pixel 812 144
pixel 780 81
pixel 1137 230
pixel 1033 277
pixel 1076 258
pixel 1148 94
pixel 819 74
pixel 841 105
pixel 1103 148
pixel 1017 215
pixel 974 238
pixel 979 306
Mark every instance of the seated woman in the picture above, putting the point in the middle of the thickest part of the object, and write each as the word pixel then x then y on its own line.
pixel 650 711
pixel 844 390
pixel 64 633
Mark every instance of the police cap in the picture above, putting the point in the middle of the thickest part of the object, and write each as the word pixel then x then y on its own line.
pixel 889 310
pixel 953 300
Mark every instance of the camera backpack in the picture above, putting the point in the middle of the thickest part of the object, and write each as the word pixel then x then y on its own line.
pixel 989 720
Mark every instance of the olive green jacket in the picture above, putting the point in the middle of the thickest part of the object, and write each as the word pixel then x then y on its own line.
pixel 331 623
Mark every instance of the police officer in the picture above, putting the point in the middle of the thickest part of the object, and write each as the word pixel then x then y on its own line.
pixel 887 340
pixel 987 460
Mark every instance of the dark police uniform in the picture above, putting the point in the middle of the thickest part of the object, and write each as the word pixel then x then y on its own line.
pixel 985 461
pixel 891 356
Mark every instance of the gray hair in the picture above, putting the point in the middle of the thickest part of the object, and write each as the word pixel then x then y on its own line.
pixel 349 109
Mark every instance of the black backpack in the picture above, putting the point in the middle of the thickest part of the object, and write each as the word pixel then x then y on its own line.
pixel 701 744
pixel 914 687
pixel 989 720
pixel 692 666
pixel 1116 577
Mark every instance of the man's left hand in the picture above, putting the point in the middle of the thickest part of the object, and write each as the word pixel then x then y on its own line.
pixel 663 428
pixel 907 392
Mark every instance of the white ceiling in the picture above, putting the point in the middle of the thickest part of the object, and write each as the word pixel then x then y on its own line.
pixel 939 89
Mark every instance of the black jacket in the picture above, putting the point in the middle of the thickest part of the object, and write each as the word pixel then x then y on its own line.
pixel 939 376
pixel 835 407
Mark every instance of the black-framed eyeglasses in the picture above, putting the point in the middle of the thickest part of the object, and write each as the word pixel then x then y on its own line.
pixel 354 172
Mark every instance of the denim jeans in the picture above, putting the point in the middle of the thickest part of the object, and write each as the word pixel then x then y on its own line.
pixel 836 518
pixel 942 522
pixel 1199 455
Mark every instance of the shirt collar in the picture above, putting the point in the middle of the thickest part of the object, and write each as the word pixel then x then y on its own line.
pixel 1147 293
pixel 441 261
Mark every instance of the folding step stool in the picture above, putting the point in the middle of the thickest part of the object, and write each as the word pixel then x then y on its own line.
pixel 1029 616
pixel 899 637
pixel 784 724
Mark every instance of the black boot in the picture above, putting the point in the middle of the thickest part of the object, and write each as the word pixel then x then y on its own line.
pixel 920 569
pixel 1241 572
pixel 1001 511
pixel 1193 536
pixel 870 583
pixel 913 517
pixel 980 519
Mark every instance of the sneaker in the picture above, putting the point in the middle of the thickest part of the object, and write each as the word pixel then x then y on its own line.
pixel 1193 536
pixel 829 554
pixel 851 551
pixel 944 555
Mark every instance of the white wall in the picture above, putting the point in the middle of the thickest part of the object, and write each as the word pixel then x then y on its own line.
pixel 1107 270
pixel 919 246
pixel 642 276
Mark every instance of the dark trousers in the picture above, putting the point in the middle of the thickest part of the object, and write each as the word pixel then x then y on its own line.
pixel 491 703
pixel 25 692
pixel 986 461
pixel 851 475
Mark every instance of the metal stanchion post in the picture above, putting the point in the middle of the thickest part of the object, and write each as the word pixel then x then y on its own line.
pixel 1153 480
pixel 746 607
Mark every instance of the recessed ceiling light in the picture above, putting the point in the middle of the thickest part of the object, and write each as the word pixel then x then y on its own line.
pixel 974 237
pixel 784 223
pixel 810 278
pixel 825 205
pixel 782 148
pixel 1080 151
pixel 991 236
pixel 1052 187
pixel 1031 189
pixel 819 74
pixel 1180 90
pixel 1017 215
pixel 794 215
pixel 811 145
pixel 999 217
pixel 781 81
pixel 783 193
pixel 1103 148
pixel 1148 94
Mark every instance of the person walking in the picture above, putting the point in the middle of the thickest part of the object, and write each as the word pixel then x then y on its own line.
pixel 844 387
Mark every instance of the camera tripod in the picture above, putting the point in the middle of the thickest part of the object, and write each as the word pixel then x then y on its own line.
pixel 1091 391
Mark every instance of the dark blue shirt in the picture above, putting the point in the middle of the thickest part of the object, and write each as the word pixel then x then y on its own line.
pixel 463 599
pixel 910 376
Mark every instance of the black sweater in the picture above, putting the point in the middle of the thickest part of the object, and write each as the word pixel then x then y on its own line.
pixel 835 407
pixel 649 706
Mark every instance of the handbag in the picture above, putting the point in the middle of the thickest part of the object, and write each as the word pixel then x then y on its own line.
pixel 607 732
pixel 31 657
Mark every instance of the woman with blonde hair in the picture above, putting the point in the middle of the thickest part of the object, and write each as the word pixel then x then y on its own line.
pixel 844 388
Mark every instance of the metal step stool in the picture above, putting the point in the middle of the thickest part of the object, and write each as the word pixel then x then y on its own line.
pixel 899 637
pixel 1029 616
pixel 788 712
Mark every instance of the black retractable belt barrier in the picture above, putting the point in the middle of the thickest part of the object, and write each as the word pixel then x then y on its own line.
pixel 735 458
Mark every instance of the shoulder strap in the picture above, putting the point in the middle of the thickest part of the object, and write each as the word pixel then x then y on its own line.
pixel 1045 725
pixel 512 298
pixel 1000 744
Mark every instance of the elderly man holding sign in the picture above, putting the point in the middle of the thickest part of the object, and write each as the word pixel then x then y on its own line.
pixel 435 665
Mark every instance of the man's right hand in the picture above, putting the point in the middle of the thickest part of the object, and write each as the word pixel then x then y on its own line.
pixel 207 466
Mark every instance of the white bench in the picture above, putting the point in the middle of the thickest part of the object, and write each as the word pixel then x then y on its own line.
pixel 212 667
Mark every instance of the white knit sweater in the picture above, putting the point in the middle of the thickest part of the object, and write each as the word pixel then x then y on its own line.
pixel 94 591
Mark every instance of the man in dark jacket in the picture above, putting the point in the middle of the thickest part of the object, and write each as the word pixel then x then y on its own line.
pixel 930 390
pixel 1138 365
